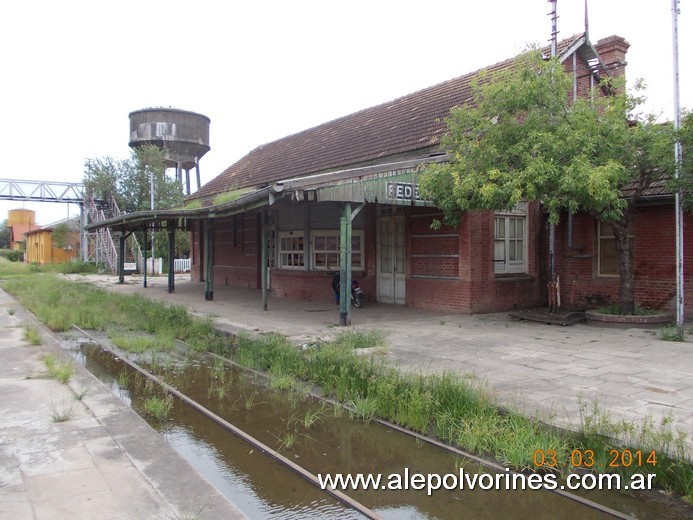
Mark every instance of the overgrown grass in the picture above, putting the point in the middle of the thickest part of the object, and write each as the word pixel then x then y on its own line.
pixel 60 303
pixel 138 343
pixel 453 408
pixel 462 413
pixel 32 335
pixel 158 407
pixel 672 333
pixel 673 468
pixel 60 370
pixel 193 204
pixel 228 196
pixel 77 267
pixel 353 339
pixel 9 269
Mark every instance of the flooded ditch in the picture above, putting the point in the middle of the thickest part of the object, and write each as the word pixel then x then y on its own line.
pixel 319 437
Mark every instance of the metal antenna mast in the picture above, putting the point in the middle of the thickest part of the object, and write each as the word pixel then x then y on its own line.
pixel 677 151
pixel 554 27
pixel 553 285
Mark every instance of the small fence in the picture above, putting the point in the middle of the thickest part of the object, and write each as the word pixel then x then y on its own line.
pixel 182 265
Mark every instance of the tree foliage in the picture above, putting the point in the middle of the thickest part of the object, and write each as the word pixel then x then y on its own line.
pixel 523 138
pixel 60 235
pixel 686 172
pixel 4 235
pixel 128 181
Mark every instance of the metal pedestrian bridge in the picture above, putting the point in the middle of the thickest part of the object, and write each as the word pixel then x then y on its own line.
pixel 41 191
pixel 98 246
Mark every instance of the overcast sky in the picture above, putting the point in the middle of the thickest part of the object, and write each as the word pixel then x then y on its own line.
pixel 261 69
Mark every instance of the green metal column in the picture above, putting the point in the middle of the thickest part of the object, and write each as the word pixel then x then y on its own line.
pixel 121 257
pixel 345 266
pixel 171 228
pixel 144 255
pixel 209 261
pixel 263 257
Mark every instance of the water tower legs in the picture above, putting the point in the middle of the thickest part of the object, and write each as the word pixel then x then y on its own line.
pixel 197 171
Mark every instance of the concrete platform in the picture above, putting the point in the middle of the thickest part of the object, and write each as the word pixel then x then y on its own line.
pixel 105 462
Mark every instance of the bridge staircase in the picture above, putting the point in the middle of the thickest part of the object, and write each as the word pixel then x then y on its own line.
pixel 104 248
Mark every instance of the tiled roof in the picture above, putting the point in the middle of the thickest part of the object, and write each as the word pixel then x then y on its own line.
pixel 409 123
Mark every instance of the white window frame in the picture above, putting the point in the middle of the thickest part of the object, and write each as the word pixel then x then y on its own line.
pixel 334 233
pixel 282 260
pixel 504 265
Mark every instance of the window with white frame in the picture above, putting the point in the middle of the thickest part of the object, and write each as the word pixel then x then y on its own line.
pixel 510 244
pixel 607 259
pixel 290 254
pixel 325 250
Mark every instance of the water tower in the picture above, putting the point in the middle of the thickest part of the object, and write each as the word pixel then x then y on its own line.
pixel 183 135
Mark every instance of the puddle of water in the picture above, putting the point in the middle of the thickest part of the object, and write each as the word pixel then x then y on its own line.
pixel 331 444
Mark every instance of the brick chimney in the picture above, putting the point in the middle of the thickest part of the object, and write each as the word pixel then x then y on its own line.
pixel 612 51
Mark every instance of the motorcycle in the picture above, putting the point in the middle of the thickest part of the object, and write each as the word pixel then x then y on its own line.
pixel 357 294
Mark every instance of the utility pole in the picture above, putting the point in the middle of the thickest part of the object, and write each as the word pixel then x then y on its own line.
pixel 678 157
pixel 151 197
pixel 553 287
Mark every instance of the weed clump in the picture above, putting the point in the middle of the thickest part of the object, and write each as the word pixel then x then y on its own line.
pixel 62 412
pixel 158 407
pixel 32 335
pixel 60 370
pixel 672 333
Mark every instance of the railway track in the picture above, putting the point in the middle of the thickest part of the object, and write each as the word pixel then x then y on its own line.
pixel 305 473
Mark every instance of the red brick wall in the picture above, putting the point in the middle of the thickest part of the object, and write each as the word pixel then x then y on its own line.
pixel 655 267
pixel 475 288
pixel 235 251
pixel 453 272
pixel 317 285
pixel 431 252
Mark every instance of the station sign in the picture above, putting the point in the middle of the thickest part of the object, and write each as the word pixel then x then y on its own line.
pixel 403 191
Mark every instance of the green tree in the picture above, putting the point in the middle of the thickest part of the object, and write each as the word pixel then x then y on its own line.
pixel 686 171
pixel 4 235
pixel 524 139
pixel 129 182
pixel 60 235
